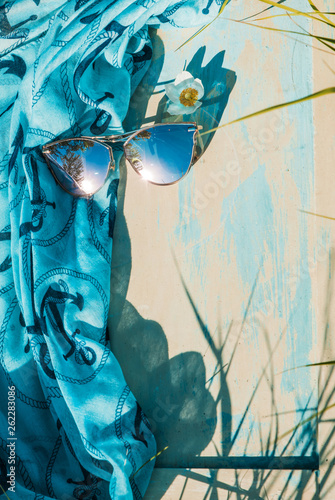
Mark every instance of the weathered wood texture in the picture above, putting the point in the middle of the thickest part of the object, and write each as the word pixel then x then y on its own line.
pixel 221 284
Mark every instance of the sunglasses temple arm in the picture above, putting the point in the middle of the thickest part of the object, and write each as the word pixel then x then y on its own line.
pixel 122 137
pixel 112 138
pixel 117 138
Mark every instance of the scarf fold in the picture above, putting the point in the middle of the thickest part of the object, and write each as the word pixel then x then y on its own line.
pixel 67 68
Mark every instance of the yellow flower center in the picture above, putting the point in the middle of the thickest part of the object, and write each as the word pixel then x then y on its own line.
pixel 188 97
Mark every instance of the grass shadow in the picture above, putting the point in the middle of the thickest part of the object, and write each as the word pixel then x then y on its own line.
pixel 303 477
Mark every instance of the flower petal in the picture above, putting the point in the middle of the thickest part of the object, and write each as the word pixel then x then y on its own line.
pixel 172 92
pixel 197 85
pixel 175 109
pixel 182 76
pixel 185 84
pixel 193 108
pixel 189 110
pixel 180 109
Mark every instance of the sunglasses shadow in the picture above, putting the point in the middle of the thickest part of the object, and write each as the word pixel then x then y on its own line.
pixel 164 386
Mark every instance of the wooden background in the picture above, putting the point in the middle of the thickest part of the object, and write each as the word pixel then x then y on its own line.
pixel 221 284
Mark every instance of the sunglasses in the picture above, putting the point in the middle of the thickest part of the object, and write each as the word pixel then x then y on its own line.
pixel 162 154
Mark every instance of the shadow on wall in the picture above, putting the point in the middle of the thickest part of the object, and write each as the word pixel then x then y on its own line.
pixel 218 83
pixel 268 479
pixel 174 393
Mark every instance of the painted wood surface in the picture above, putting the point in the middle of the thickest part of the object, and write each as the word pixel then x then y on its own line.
pixel 214 280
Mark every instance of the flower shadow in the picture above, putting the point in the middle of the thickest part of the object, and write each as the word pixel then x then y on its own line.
pixel 218 82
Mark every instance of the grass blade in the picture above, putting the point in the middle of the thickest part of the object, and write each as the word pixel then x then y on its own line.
pixel 305 421
pixel 292 14
pixel 317 215
pixel 321 39
pixel 322 363
pixel 261 12
pixel 4 492
pixel 204 27
pixel 330 90
pixel 321 14
pixel 152 458
pixel 290 9
pixel 331 69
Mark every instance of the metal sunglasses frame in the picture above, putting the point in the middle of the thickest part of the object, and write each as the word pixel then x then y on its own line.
pixel 127 137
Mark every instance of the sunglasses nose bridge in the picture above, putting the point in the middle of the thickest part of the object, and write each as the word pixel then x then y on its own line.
pixel 109 145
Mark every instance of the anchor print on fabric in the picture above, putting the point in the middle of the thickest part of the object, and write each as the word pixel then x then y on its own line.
pixel 53 301
pixel 141 58
pixel 15 66
pixel 111 209
pixel 80 3
pixel 8 31
pixel 82 66
pixel 3 476
pixel 139 435
pixel 82 353
pixel 17 144
pixel 38 204
pixel 103 118
pixel 6 264
pixel 88 487
pixel 59 342
pixel 49 305
pixel 206 9
pixel 5 235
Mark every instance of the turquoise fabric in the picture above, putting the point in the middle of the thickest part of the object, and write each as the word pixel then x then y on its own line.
pixel 67 68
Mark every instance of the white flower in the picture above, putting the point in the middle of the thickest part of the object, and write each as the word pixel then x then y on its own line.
pixel 184 94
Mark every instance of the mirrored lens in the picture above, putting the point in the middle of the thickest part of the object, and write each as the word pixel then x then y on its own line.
pixel 80 165
pixel 162 154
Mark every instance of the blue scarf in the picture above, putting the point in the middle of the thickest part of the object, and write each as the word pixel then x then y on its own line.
pixel 67 68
